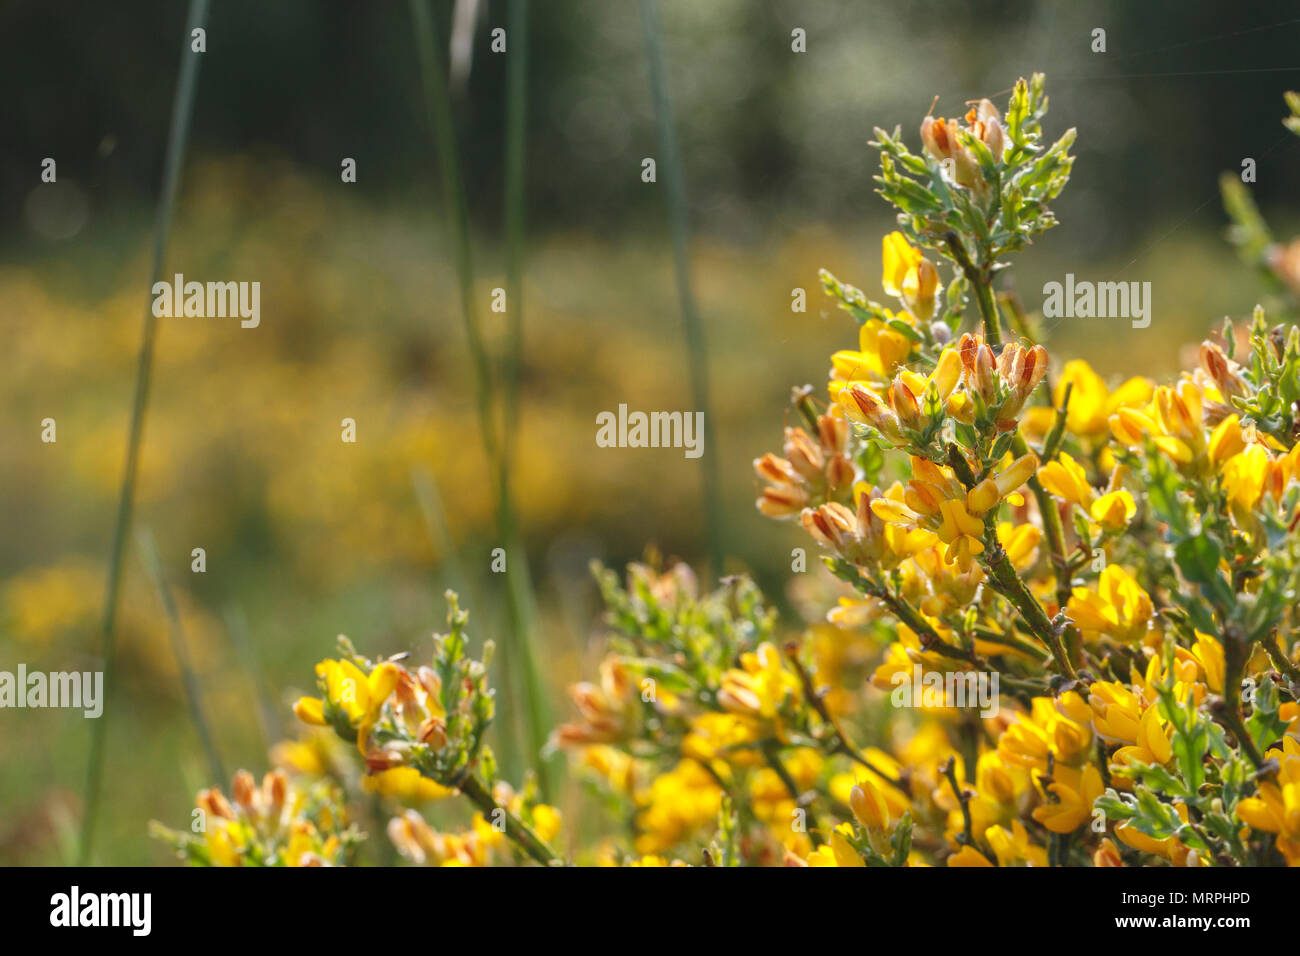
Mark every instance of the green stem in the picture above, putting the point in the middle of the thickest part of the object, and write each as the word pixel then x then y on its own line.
pixel 772 754
pixel 521 659
pixel 1005 580
pixel 950 772
pixel 177 136
pixel 697 351
pixel 982 284
pixel 516 114
pixel 842 744
pixel 189 681
pixel 1277 655
pixel 1052 528
pixel 516 829
pixel 1236 650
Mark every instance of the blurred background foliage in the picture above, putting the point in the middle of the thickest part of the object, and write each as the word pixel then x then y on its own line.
pixel 307 537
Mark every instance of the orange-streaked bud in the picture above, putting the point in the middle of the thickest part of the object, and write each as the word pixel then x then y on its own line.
pixel 275 787
pixel 781 501
pixel 803 454
pixel 214 803
pixel 905 405
pixel 864 406
pixel 832 525
pixel 242 789
pixel 434 732
pixel 937 139
pixel 833 431
pixel 1222 371
pixel 775 469
pixel 1107 854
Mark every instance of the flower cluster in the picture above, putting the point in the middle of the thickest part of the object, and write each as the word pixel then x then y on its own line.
pixel 1058 628
pixel 1123 560
pixel 278 823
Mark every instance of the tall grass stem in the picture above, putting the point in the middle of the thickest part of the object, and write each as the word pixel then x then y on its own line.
pixel 189 680
pixel 697 350
pixel 177 137
pixel 518 657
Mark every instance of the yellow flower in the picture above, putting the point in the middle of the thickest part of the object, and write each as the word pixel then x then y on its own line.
pixel 998 787
pixel 909 401
pixel 653 860
pixel 713 735
pixel 1244 477
pixel 224 844
pixel 1029 739
pixel 881 350
pixel 1113 510
pixel 1066 479
pixel 896 802
pixel 1116 711
pixel 1012 847
pixel 676 805
pixel 1075 791
pixel 869 806
pixel 909 276
pixel 1119 608
pixel 1020 542
pixel 547 820
pixel 837 851
pixel 760 686
pixel 1107 854
pixel 357 697
pixel 1173 422
pixel 405 784
pixel 1170 848
pixel 1091 402
pixel 936 501
pixel 1276 806
pixel 1209 654
pixel 968 856
pixel 1226 440
pixel 1152 744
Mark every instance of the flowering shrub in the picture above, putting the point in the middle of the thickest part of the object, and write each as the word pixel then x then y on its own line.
pixel 1119 564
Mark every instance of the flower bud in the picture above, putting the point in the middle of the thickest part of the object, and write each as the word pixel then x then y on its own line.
pixel 1016 474
pixel 214 803
pixel 905 405
pixel 1218 367
pixel 868 806
pixel 780 501
pixel 864 406
pixel 936 137
pixel 242 789
pixel 776 469
pixel 804 456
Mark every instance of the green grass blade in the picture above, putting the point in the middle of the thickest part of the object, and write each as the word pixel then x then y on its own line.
pixel 189 681
pixel 697 351
pixel 518 659
pixel 242 641
pixel 178 135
